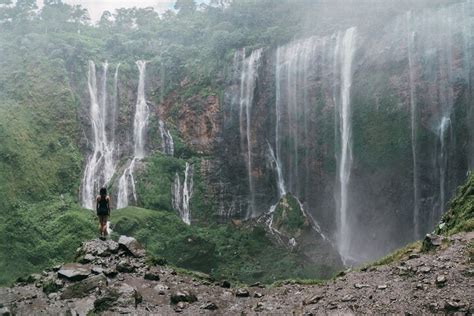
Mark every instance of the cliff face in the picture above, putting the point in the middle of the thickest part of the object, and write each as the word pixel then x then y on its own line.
pixel 409 137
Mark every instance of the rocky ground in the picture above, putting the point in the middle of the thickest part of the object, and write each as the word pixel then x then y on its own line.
pixel 110 278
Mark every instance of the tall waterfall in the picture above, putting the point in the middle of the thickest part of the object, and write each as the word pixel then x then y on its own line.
pixel 101 163
pixel 248 82
pixel 140 123
pixel 182 193
pixel 413 120
pixel 346 54
pixel 439 49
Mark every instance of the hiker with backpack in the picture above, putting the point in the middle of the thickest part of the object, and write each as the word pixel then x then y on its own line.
pixel 103 211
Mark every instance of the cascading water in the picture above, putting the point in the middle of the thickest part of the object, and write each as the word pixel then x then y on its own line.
pixel 346 55
pixel 439 49
pixel 413 120
pixel 101 164
pixel 140 123
pixel 182 194
pixel 444 127
pixel 248 82
pixel 167 143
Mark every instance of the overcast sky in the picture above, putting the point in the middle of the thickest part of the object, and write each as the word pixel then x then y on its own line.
pixel 96 7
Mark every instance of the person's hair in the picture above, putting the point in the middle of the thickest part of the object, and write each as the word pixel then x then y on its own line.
pixel 103 191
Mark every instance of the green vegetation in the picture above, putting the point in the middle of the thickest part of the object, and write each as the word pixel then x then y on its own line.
pixel 224 251
pixel 289 218
pixel 41 235
pixel 460 216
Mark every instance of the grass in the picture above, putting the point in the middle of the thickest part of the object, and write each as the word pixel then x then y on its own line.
pixel 236 254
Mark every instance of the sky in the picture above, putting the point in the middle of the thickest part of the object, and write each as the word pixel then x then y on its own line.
pixel 96 7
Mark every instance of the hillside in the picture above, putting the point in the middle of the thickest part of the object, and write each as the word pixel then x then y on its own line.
pixel 109 277
pixel 253 141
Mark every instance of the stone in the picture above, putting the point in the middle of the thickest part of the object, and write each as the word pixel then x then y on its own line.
pixel 183 296
pixel 413 256
pixel 110 272
pixel 360 285
pixel 132 246
pixel 431 241
pixel 441 280
pixel 209 306
pixel 382 287
pixel 259 307
pixel 128 296
pixel 124 266
pixel 425 269
pixel 312 299
pixel 258 295
pixel 225 284
pixel 348 298
pixel 97 270
pixel 152 274
pixel 452 306
pixel 74 271
pixel 98 247
pixel 161 289
pixel 52 296
pixel 5 311
pixel 242 293
pixel 84 287
pixel 87 258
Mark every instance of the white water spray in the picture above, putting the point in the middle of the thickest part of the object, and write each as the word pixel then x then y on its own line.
pixel 182 194
pixel 100 165
pixel 140 123
pixel 346 55
pixel 167 143
pixel 248 82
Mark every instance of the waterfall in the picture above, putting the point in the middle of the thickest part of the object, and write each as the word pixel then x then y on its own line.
pixel 248 82
pixel 443 164
pixel 439 49
pixel 100 165
pixel 182 194
pixel 167 143
pixel 140 123
pixel 346 55
pixel 280 180
pixel 413 119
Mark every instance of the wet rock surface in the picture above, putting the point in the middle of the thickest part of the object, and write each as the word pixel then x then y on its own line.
pixel 421 283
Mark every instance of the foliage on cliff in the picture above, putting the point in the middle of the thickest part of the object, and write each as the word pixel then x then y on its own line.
pixel 460 216
pixel 225 251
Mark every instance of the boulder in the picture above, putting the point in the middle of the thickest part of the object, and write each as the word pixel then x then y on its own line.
pixel 74 271
pixel 161 289
pixel 209 306
pixel 183 296
pixel 97 247
pixel 312 299
pixel 242 293
pixel 84 287
pixel 132 246
pixel 5 311
pixel 125 267
pixel 152 274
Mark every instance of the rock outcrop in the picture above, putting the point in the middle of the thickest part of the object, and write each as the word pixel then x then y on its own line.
pixel 437 281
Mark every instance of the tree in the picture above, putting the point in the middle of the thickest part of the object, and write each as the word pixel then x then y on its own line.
pixel 106 20
pixel 79 15
pixel 185 7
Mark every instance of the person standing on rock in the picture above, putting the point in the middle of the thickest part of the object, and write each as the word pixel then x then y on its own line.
pixel 103 210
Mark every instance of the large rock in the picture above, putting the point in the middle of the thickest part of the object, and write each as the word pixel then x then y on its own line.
pixel 84 287
pixel 74 271
pixel 97 247
pixel 132 246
